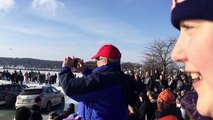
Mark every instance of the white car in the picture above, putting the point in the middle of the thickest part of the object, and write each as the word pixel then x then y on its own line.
pixel 50 96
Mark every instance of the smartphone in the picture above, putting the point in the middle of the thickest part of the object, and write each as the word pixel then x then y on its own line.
pixel 75 64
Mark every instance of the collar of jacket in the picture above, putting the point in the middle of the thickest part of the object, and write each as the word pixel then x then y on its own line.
pixel 115 66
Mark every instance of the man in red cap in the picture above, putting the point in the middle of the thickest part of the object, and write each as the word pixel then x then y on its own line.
pixel 101 91
pixel 167 109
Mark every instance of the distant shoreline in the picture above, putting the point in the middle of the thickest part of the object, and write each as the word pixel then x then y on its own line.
pixel 30 69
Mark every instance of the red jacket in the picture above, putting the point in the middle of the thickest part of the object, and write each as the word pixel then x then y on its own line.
pixel 168 117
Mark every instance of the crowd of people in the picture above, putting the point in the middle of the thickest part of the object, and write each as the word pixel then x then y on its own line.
pixel 17 77
pixel 147 89
pixel 107 92
pixel 34 113
pixel 149 86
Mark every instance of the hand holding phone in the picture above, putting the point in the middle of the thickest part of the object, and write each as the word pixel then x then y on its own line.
pixel 75 63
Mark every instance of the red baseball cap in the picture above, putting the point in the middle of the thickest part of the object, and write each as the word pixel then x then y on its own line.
pixel 167 96
pixel 108 51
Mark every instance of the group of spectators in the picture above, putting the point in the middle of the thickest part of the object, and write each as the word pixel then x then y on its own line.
pixel 18 77
pixel 149 87
pixel 34 113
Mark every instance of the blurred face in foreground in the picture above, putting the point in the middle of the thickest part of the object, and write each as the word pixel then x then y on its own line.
pixel 194 48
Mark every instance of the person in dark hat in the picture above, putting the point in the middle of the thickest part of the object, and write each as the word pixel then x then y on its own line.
pixel 144 109
pixel 101 91
pixel 194 20
pixel 23 113
pixel 36 111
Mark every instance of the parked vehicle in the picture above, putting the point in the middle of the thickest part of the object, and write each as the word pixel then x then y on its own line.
pixel 50 97
pixel 9 92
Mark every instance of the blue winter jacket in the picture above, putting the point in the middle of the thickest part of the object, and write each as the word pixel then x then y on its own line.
pixel 100 92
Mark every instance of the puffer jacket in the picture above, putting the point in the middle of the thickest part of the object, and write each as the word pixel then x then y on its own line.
pixel 100 92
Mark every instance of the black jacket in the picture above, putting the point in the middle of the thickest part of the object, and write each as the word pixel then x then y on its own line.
pixel 173 110
pixel 36 112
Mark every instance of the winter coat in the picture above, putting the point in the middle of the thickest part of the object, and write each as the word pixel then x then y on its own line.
pixel 100 93
pixel 172 113
pixel 36 112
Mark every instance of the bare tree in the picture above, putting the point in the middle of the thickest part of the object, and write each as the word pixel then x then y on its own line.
pixel 158 54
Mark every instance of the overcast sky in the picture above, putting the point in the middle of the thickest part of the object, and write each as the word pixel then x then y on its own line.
pixel 53 29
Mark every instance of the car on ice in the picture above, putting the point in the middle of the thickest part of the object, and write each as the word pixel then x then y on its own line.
pixel 50 96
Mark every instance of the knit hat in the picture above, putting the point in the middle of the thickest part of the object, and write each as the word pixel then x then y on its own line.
pixel 37 99
pixel 191 9
pixel 108 51
pixel 167 96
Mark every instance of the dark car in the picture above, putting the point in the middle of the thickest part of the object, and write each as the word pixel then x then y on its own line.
pixel 9 92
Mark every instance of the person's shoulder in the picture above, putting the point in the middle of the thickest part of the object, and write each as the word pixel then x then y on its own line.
pixel 107 74
pixel 35 107
pixel 169 117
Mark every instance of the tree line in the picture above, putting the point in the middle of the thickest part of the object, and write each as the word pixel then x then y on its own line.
pixel 156 55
